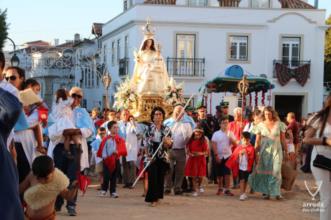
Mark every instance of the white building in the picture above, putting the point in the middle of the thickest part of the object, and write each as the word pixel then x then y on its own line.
pixel 51 65
pixel 214 35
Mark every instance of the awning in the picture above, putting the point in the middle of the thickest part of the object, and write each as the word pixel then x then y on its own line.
pixel 229 84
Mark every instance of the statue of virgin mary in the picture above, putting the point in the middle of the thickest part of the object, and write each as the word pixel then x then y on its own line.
pixel 150 76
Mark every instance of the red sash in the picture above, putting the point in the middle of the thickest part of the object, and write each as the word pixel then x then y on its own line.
pixel 110 161
pixel 233 161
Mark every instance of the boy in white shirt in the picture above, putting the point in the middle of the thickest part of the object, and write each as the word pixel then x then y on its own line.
pixel 222 141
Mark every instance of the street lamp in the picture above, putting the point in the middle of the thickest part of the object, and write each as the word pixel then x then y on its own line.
pixel 14 61
pixel 106 80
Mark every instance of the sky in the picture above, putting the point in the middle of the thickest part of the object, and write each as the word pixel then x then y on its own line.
pixel 31 20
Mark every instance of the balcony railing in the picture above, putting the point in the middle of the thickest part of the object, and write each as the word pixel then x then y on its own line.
pixel 285 70
pixel 192 67
pixel 229 3
pixel 123 67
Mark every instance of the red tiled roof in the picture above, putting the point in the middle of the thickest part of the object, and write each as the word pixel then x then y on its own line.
pixel 295 4
pixel 37 43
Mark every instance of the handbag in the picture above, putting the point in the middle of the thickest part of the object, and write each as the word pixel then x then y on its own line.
pixel 322 162
pixel 289 175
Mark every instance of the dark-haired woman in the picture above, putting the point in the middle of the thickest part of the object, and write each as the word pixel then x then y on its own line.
pixel 27 145
pixel 319 135
pixel 270 144
pixel 156 133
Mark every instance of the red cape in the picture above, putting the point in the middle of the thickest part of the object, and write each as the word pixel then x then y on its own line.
pixel 233 163
pixel 110 161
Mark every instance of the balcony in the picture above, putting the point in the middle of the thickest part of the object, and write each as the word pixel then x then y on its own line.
pixel 123 67
pixel 229 3
pixel 285 70
pixel 186 67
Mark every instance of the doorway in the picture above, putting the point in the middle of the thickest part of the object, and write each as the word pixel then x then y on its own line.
pixel 289 103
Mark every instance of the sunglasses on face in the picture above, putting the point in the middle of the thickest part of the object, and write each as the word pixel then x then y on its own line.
pixel 76 96
pixel 12 78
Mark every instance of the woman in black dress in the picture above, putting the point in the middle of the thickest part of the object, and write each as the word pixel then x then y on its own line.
pixel 156 132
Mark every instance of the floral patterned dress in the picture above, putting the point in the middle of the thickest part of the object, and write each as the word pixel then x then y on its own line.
pixel 158 167
pixel 266 177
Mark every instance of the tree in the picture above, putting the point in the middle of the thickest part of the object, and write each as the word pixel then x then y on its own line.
pixel 3 28
pixel 327 54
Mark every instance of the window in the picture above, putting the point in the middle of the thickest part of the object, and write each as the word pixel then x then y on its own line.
pixel 185 45
pixel 291 51
pixel 113 51
pixel 98 80
pixel 104 53
pixel 92 80
pixel 238 48
pixel 118 50
pixel 260 3
pixel 197 3
pixel 82 78
pixel 184 63
pixel 126 46
pixel 89 78
pixel 85 77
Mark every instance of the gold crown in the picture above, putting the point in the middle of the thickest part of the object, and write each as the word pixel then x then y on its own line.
pixel 148 30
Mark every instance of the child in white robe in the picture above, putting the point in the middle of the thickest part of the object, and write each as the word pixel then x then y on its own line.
pixel 64 119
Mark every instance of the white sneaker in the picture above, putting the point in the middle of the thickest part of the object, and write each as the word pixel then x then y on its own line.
pixel 102 193
pixel 114 195
pixel 202 190
pixel 242 197
pixel 195 194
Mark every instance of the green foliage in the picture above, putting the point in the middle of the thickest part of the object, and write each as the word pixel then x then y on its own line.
pixel 3 28
pixel 328 41
pixel 327 54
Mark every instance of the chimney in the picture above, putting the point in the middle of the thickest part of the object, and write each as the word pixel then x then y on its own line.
pixel 76 38
pixel 56 41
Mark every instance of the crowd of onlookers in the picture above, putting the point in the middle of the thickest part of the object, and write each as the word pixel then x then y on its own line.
pixel 171 155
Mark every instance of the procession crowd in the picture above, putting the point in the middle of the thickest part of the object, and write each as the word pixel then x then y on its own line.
pixel 55 148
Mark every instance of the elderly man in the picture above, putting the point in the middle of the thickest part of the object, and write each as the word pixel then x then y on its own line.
pixel 128 162
pixel 236 127
pixel 181 128
pixel 85 128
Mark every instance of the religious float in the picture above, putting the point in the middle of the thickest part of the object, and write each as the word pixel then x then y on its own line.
pixel 150 84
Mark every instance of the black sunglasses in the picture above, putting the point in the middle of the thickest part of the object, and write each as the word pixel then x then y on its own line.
pixel 76 96
pixel 12 78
